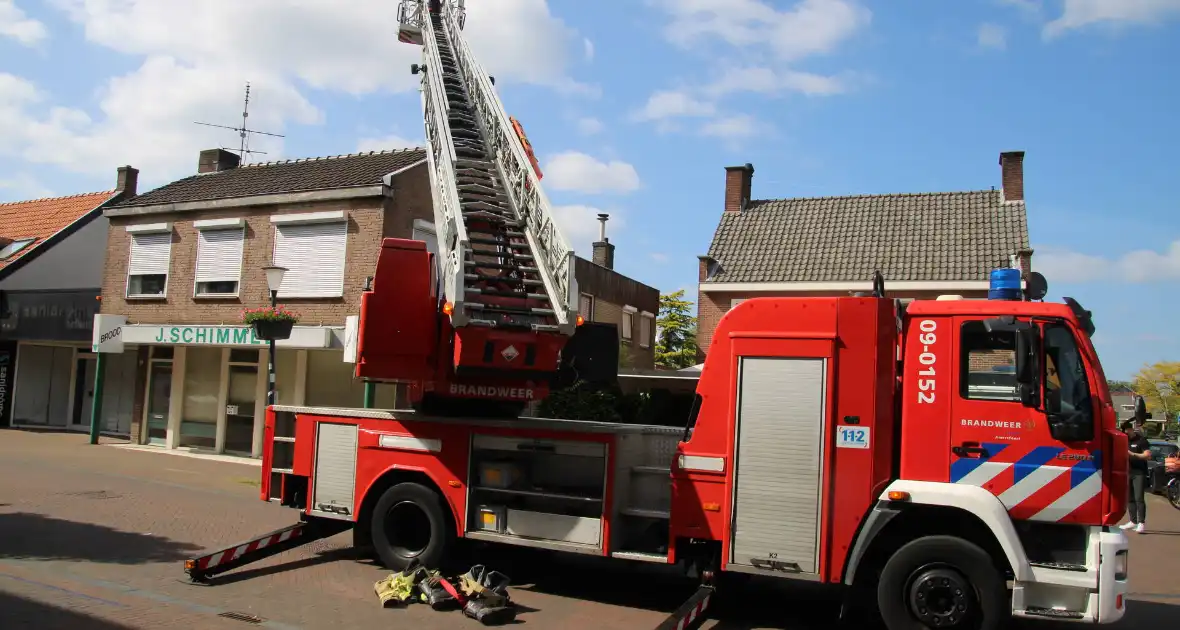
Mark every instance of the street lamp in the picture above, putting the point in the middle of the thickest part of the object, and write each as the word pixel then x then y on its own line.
pixel 274 280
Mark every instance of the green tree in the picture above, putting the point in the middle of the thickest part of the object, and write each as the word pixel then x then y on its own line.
pixel 676 347
pixel 1159 385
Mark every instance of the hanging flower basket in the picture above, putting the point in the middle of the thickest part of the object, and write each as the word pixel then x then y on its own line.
pixel 270 323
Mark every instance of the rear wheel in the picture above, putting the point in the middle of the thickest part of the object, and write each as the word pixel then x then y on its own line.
pixel 1173 492
pixel 942 582
pixel 409 523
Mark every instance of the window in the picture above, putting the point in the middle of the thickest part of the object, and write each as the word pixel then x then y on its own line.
pixel 628 322
pixel 13 248
pixel 312 250
pixel 424 231
pixel 151 251
pixel 1067 392
pixel 734 302
pixel 988 364
pixel 219 258
pixel 645 325
pixel 586 306
pixel 1129 408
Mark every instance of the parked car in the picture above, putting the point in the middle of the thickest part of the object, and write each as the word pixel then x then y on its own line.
pixel 1157 477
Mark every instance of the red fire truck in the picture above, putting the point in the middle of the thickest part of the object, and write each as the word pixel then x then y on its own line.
pixel 847 441
pixel 941 491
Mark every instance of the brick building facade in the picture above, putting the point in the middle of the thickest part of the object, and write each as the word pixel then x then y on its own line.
pixel 925 244
pixel 609 297
pixel 185 259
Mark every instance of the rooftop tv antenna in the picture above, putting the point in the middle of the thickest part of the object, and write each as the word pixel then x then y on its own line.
pixel 243 133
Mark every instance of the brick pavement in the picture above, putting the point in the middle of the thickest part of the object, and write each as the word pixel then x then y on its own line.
pixel 93 537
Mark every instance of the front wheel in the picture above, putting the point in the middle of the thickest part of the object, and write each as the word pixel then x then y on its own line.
pixel 409 523
pixel 942 582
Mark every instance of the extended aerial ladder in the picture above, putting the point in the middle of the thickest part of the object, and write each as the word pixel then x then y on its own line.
pixel 503 259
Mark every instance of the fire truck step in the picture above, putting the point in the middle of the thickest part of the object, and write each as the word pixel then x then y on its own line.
pixel 478 277
pixel 509 310
pixel 201 568
pixel 1053 613
pixel 508 294
pixel 692 612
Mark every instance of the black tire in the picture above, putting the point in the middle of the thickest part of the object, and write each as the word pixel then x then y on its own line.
pixel 959 574
pixel 410 523
pixel 1173 493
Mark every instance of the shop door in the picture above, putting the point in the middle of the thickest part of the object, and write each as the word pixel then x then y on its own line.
pixel 159 399
pixel 239 412
pixel 84 392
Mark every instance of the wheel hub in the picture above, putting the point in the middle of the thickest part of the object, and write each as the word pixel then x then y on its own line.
pixel 941 598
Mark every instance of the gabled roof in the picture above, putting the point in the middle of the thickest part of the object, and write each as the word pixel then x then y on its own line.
pixel 284 176
pixel 40 219
pixel 908 237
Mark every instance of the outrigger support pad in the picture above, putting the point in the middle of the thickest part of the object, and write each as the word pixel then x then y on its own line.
pixel 201 568
pixel 692 611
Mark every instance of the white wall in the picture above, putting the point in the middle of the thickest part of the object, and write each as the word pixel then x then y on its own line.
pixel 74 263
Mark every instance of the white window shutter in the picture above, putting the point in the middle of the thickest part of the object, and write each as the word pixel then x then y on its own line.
pixel 219 255
pixel 313 254
pixel 150 254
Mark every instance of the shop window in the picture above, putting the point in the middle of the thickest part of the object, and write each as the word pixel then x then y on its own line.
pixel 988 364
pixel 42 392
pixel 330 382
pixel 286 369
pixel 162 353
pixel 313 254
pixel 219 261
pixel 202 380
pixel 147 269
pixel 241 355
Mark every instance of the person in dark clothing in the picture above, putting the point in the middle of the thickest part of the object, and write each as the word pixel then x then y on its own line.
pixel 1140 454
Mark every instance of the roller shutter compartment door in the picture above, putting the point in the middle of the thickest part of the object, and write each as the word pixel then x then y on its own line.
pixel 778 463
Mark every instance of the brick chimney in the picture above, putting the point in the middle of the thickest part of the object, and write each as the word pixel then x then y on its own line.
pixel 604 251
pixel 127 181
pixel 217 160
pixel 737 186
pixel 1012 175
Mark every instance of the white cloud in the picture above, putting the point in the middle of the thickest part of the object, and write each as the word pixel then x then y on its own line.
pixel 1062 265
pixel 15 24
pixel 760 47
pixel 577 172
pixel 659 258
pixel 666 104
pixel 22 187
pixel 145 117
pixel 588 49
pixel 579 224
pixel 992 36
pixel 1081 13
pixel 589 126
pixel 387 143
pixel 809 27
pixel 736 127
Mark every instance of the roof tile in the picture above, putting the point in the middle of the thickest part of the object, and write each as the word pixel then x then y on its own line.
pixel 283 176
pixel 908 237
pixel 39 219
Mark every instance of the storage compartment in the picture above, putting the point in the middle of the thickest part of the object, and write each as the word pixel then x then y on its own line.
pixel 537 489
pixel 491 518
pixel 573 529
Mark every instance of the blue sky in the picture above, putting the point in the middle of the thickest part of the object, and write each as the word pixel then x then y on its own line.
pixel 634 107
